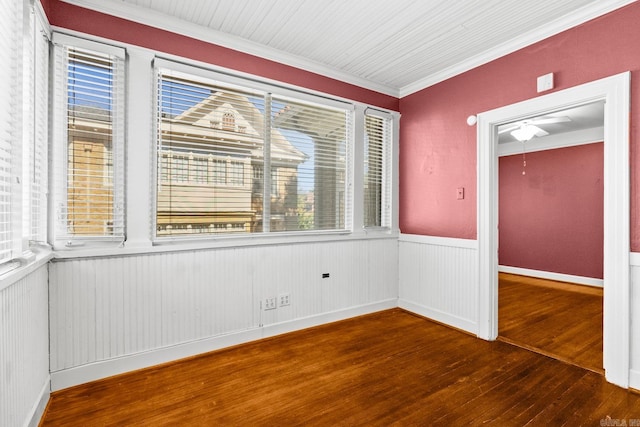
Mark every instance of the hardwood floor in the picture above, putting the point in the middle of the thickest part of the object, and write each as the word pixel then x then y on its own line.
pixel 387 368
pixel 555 318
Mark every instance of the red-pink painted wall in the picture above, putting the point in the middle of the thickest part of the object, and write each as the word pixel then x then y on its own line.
pixel 46 6
pixel 72 17
pixel 551 218
pixel 438 148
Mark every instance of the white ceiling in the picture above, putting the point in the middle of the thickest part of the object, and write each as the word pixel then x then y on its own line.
pixel 394 47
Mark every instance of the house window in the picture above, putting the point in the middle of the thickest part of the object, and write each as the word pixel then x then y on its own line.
pixel 377 148
pixel 88 140
pixel 228 121
pixel 236 173
pixel 23 131
pixel 218 173
pixel 274 182
pixel 308 141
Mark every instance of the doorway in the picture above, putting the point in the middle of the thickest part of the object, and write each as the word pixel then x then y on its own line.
pixel 614 91
pixel 551 234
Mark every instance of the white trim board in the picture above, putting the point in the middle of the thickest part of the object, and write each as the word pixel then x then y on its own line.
pixel 553 141
pixel 106 368
pixel 439 241
pixel 439 316
pixel 36 413
pixel 550 275
pixel 634 379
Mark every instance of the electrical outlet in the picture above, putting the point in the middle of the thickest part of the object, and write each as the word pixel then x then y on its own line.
pixel 283 299
pixel 269 303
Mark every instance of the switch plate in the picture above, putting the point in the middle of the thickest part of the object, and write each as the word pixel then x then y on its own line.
pixel 460 193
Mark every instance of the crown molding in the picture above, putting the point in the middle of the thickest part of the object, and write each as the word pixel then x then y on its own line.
pixel 165 22
pixel 582 15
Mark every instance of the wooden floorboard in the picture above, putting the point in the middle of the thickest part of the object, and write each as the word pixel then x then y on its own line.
pixel 387 368
pixel 557 319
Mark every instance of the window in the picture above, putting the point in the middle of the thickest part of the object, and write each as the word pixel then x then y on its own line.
pixel 23 130
pixel 88 141
pixel 228 121
pixel 305 146
pixel 376 171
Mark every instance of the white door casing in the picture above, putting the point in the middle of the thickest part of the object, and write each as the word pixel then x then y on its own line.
pixel 614 91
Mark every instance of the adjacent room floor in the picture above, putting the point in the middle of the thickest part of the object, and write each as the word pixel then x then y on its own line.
pixel 386 368
pixel 558 319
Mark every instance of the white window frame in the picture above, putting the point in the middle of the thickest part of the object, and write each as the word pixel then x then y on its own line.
pixel 189 71
pixel 386 172
pixel 59 235
pixel 141 158
pixel 25 129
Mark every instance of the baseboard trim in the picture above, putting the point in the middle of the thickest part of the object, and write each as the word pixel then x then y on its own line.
pixel 580 280
pixel 40 406
pixel 106 368
pixel 634 379
pixel 321 319
pixel 440 316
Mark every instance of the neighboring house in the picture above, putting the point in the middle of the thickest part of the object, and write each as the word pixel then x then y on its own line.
pixel 210 165
pixel 90 159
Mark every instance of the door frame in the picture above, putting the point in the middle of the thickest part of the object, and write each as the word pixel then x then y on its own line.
pixel 615 91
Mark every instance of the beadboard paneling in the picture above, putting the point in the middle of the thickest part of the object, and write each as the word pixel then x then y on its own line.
pixel 439 279
pixel 108 308
pixel 634 378
pixel 24 349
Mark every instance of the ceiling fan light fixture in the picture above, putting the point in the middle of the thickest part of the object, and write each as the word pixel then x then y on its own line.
pixel 525 132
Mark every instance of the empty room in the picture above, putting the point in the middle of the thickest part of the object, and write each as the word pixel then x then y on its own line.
pixel 318 213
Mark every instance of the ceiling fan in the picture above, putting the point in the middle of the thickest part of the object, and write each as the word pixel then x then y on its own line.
pixel 524 130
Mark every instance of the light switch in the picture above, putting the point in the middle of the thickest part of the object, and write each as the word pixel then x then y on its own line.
pixel 460 193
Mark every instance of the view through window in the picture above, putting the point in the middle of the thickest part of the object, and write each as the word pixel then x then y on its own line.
pixel 215 141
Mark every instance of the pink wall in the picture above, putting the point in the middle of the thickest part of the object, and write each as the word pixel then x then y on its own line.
pixel 72 17
pixel 438 149
pixel 551 219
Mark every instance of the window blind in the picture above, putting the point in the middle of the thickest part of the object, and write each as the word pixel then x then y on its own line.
pixel 376 171
pixel 315 138
pixel 11 20
pixel 217 139
pixel 209 152
pixel 38 174
pixel 35 133
pixel 89 143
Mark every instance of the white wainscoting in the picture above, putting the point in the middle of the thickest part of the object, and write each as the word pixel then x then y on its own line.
pixel 439 279
pixel 115 314
pixel 634 345
pixel 24 349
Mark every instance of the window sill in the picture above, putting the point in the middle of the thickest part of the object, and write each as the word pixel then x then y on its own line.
pixel 16 274
pixel 147 247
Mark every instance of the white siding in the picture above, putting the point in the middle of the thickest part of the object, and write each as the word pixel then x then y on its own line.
pixel 439 279
pixel 24 349
pixel 103 309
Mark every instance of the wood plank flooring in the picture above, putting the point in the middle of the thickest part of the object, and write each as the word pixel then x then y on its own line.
pixel 555 318
pixel 386 368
